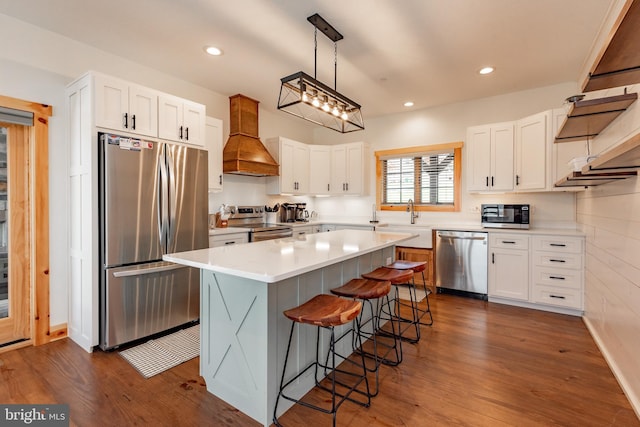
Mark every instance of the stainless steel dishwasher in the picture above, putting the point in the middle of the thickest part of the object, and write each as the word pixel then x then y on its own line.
pixel 461 262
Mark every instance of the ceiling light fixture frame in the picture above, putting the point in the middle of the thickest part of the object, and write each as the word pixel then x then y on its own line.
pixel 306 97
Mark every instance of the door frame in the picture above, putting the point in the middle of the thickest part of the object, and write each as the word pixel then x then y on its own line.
pixel 38 136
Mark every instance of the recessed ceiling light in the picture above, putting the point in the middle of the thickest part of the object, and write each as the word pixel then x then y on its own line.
pixel 212 50
pixel 486 70
pixel 408 104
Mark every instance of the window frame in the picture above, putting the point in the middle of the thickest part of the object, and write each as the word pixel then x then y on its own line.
pixel 423 150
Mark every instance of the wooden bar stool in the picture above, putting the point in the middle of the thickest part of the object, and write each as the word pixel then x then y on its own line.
pixel 417 267
pixel 326 312
pixel 367 290
pixel 397 278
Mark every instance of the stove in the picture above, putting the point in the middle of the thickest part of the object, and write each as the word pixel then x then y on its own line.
pixel 252 218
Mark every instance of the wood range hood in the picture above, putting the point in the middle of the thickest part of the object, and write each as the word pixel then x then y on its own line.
pixel 244 153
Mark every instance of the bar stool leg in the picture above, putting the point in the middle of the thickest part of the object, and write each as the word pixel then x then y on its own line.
pixel 332 375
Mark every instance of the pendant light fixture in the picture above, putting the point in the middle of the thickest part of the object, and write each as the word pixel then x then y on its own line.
pixel 306 97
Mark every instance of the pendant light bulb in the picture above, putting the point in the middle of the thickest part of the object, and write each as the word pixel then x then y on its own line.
pixel 344 115
pixel 325 107
pixel 315 102
pixel 305 97
pixel 335 111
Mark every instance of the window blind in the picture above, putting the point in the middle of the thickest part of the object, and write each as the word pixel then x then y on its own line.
pixel 16 117
pixel 427 178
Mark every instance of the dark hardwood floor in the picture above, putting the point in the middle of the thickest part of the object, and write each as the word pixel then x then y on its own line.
pixel 480 364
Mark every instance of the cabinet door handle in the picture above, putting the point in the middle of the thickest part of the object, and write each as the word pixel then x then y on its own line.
pixel 492 181
pixel 556 296
pixel 511 242
pixel 133 121
pixel 557 260
pixel 220 179
pixel 556 278
pixel 493 258
pixel 517 179
pixel 347 186
pixel 328 187
pixel 126 120
pixel 180 132
pixel 186 132
pixel 559 245
pixel 486 179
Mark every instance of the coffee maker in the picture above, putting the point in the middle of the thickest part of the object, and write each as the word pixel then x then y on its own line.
pixel 288 212
pixel 302 215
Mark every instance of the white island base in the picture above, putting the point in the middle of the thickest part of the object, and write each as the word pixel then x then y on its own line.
pixel 244 334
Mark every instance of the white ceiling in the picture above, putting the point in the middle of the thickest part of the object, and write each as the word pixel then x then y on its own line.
pixel 427 51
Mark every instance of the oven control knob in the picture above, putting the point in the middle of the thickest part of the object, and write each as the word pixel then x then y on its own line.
pixel 260 210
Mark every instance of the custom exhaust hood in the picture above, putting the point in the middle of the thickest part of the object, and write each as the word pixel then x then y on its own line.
pixel 244 153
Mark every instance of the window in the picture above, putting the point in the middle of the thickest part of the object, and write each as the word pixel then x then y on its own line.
pixel 429 176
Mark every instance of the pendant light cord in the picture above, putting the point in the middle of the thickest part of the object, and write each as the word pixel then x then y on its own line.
pixel 315 53
pixel 335 66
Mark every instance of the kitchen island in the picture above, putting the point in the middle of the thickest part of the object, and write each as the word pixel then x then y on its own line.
pixel 243 291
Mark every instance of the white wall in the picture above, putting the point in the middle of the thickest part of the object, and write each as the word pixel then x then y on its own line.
pixel 610 216
pixel 36 65
pixel 448 124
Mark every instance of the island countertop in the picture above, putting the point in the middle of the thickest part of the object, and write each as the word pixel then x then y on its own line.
pixel 271 261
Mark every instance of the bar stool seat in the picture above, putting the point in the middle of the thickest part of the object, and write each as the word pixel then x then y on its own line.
pixel 399 277
pixel 326 312
pixel 367 290
pixel 417 267
pixel 396 277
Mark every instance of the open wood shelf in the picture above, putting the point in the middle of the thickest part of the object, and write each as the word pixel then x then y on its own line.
pixel 618 163
pixel 588 118
pixel 578 179
pixel 622 157
pixel 619 63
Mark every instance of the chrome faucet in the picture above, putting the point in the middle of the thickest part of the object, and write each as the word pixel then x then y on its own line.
pixel 411 210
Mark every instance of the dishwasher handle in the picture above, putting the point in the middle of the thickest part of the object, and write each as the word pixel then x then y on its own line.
pixel 454 237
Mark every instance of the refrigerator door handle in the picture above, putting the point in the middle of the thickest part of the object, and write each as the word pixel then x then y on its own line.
pixel 172 202
pixel 162 200
pixel 140 272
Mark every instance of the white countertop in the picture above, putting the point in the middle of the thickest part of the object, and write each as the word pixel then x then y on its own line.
pixel 275 260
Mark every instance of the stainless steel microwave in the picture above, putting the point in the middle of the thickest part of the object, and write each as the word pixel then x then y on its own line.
pixel 505 216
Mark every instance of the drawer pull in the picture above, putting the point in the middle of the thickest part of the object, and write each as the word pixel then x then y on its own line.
pixel 556 277
pixel 556 296
pixel 560 245
pixel 230 243
pixel 557 260
pixel 511 242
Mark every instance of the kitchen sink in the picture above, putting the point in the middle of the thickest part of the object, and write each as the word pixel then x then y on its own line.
pixel 423 240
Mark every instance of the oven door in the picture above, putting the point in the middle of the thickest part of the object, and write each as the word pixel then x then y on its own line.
pixel 258 236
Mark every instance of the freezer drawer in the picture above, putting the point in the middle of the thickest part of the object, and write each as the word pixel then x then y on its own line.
pixel 143 300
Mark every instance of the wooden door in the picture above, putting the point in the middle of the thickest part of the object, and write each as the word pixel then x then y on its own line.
pixel 15 231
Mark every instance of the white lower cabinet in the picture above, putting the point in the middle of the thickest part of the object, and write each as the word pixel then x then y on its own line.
pixel 509 266
pixel 301 231
pixel 537 271
pixel 228 239
pixel 557 271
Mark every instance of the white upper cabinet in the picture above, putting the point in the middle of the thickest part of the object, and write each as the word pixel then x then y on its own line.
pixel 319 169
pixel 214 145
pixel 348 168
pixel 124 106
pixel 490 157
pixel 181 120
pixel 533 134
pixel 293 158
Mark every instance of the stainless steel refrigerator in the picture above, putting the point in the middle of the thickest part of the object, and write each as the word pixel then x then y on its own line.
pixel 153 200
